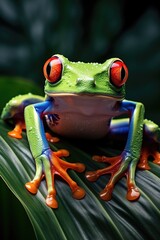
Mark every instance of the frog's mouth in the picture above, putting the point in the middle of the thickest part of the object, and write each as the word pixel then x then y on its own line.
pixel 86 105
pixel 83 95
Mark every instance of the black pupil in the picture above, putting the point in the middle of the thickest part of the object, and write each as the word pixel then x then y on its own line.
pixel 48 70
pixel 122 73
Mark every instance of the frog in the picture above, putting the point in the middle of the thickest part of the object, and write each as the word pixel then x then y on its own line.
pixel 86 101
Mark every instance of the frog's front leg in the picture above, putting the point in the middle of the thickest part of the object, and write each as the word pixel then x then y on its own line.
pixel 125 164
pixel 48 163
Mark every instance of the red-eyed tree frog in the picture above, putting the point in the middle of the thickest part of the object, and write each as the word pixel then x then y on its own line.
pixel 82 100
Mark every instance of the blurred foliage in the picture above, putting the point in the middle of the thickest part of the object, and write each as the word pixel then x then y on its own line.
pixel 32 30
pixel 15 223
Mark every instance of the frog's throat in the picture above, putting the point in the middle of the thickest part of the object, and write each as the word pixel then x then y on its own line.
pixel 55 94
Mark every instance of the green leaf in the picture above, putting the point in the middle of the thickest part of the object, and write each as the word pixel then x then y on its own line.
pixel 89 218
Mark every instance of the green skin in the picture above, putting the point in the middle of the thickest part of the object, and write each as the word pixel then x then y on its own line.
pixel 79 84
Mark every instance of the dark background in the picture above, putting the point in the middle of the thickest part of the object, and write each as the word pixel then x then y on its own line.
pixel 33 30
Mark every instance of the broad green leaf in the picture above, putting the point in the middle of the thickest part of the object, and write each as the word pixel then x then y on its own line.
pixel 90 218
pixel 15 223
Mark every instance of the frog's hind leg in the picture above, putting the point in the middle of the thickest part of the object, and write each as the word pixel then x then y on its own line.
pixel 151 145
pixel 13 112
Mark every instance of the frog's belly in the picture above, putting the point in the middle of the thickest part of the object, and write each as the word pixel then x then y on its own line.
pixel 78 126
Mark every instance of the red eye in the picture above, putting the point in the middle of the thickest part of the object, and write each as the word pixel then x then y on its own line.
pixel 53 69
pixel 118 73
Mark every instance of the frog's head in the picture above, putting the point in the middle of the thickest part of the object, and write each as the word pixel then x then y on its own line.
pixel 65 77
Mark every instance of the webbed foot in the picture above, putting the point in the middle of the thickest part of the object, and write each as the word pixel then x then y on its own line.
pixel 55 166
pixel 60 167
pixel 120 166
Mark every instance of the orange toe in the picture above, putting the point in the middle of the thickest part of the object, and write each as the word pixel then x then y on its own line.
pixel 15 134
pixel 106 194
pixel 91 176
pixel 79 193
pixel 80 167
pixel 51 201
pixel 133 194
pixel 31 187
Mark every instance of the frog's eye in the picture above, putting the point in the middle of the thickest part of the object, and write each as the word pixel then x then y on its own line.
pixel 118 73
pixel 53 69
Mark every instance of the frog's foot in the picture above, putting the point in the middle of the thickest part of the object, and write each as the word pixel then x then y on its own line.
pixel 17 131
pixel 114 164
pixel 51 139
pixel 32 186
pixel 60 167
pixel 156 156
pixel 149 150
pixel 120 166
pixel 143 161
pixel 50 167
